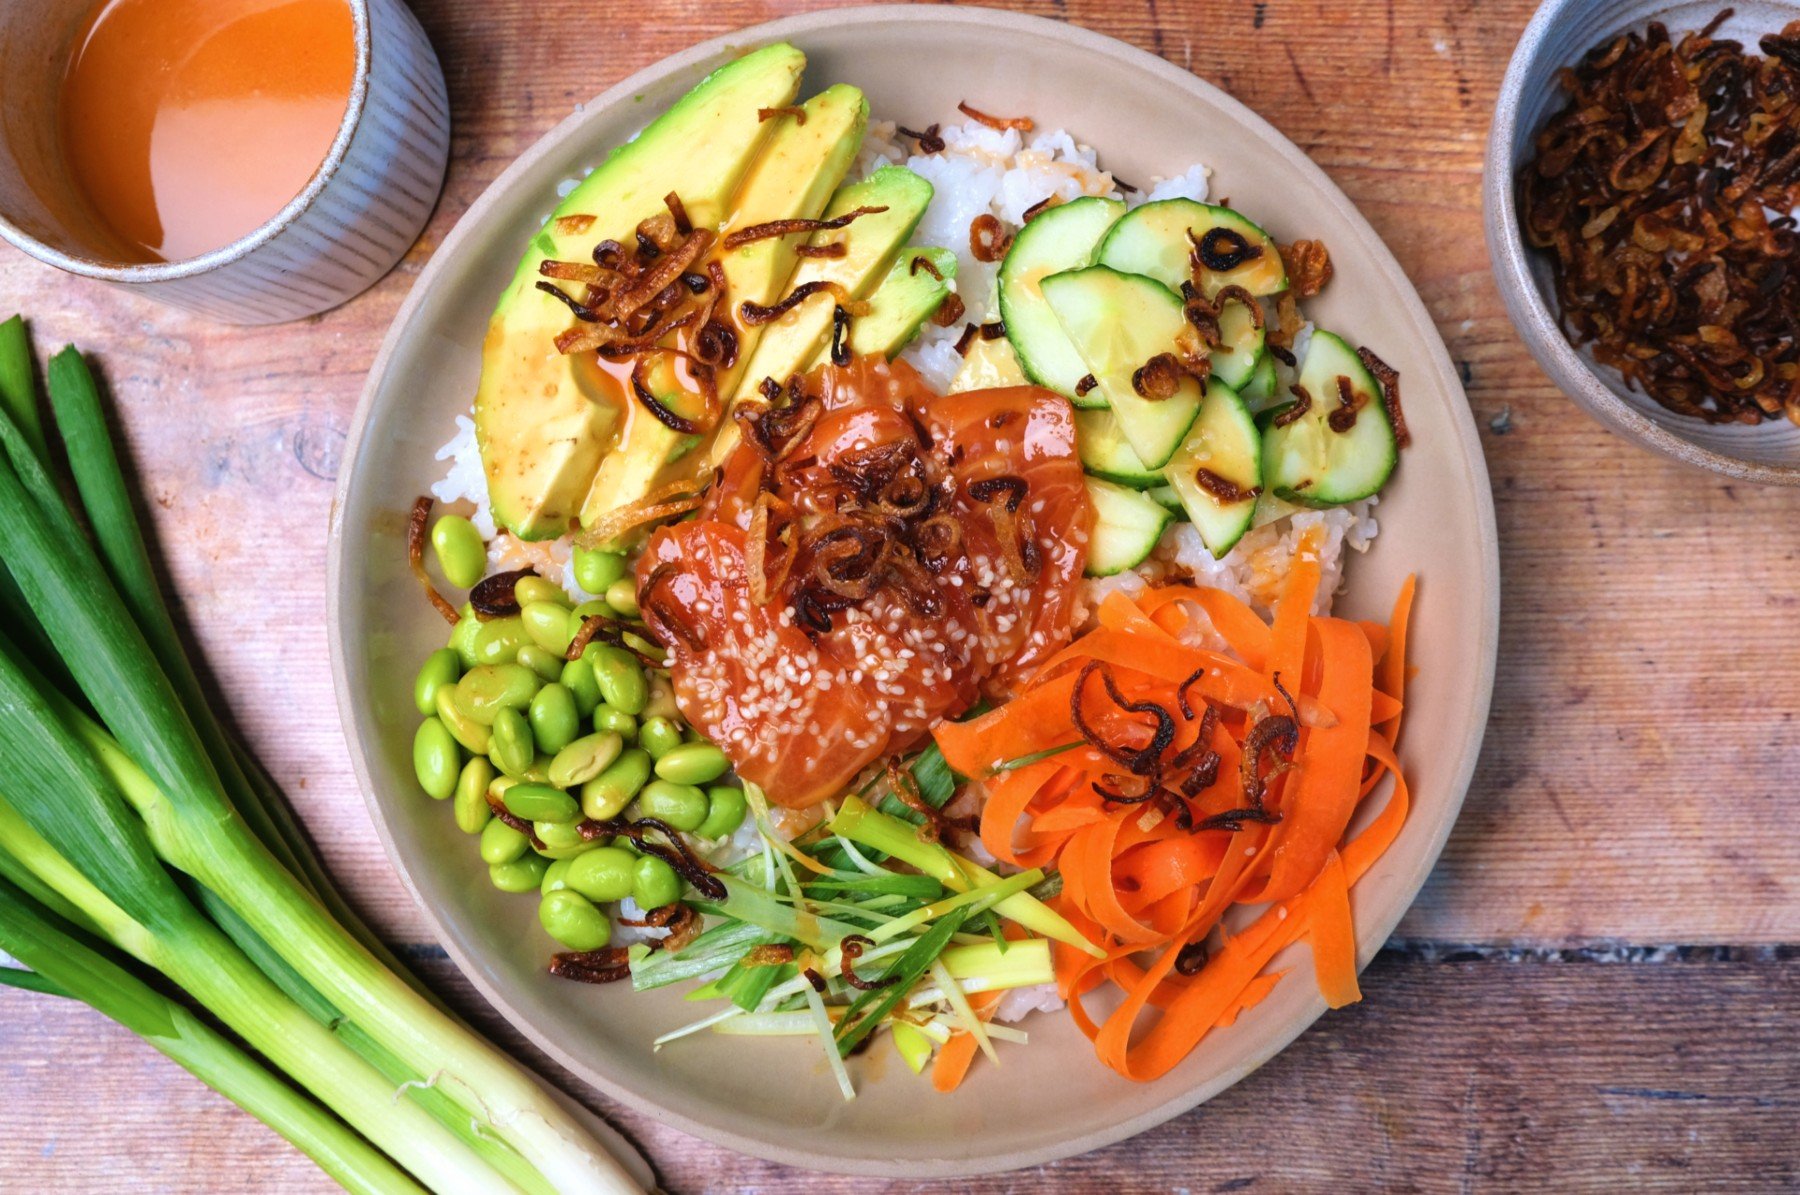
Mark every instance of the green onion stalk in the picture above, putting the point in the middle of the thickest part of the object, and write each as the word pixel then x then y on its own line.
pixel 63 964
pixel 134 903
pixel 192 823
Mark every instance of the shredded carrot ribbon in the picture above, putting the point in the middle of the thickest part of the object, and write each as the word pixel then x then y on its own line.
pixel 1154 894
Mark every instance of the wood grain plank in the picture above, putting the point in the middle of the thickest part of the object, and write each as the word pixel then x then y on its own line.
pixel 1499 1072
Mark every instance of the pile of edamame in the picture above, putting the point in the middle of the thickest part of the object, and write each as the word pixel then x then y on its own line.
pixel 557 741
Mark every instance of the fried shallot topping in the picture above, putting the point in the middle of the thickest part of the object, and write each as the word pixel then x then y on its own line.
pixel 1663 195
pixel 780 228
pixel 1308 267
pixel 415 558
pixel 988 238
pixel 1022 123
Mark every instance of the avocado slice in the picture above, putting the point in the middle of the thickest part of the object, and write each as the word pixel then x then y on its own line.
pixel 989 364
pixel 907 297
pixel 871 243
pixel 544 419
pixel 793 178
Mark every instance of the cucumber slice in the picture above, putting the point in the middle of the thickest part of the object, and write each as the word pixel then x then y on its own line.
pixel 1225 442
pixel 1105 452
pixel 1166 497
pixel 1117 322
pixel 1313 465
pixel 1126 527
pixel 1061 238
pixel 1259 393
pixel 1153 240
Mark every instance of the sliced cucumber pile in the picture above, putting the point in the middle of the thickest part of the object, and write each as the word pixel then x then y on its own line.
pixel 1332 453
pixel 1127 525
pixel 1154 240
pixel 1158 241
pixel 1117 322
pixel 1217 473
pixel 1106 453
pixel 1091 293
pixel 1057 239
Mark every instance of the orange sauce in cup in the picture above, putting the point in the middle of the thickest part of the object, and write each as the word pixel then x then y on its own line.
pixel 189 123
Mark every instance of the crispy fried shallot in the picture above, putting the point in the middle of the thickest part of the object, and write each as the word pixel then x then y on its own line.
pixel 988 238
pixel 1389 379
pixel 609 964
pixel 1308 266
pixel 664 502
pixel 1022 123
pixel 1663 194
pixel 781 228
pixel 415 558
pixel 849 950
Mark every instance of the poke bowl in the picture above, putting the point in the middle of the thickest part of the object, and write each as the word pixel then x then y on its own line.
pixel 1068 522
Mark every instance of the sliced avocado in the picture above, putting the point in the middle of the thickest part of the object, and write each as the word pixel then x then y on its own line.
pixel 871 243
pixel 544 419
pixel 906 298
pixel 987 365
pixel 794 177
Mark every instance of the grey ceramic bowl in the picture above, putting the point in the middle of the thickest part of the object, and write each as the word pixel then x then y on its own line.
pixel 774 1098
pixel 1560 33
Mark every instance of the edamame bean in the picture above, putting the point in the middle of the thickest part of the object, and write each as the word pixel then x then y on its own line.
pixel 554 719
pixel 617 721
pixel 540 803
pixel 547 664
pixel 662 698
pixel 693 763
pixel 681 806
pixel 609 792
pixel 659 736
pixel 654 883
pixel 549 624
pixel 441 668
pixel 435 758
pixel 510 745
pixel 533 589
pixel 459 550
pixel 578 679
pixel 584 759
pixel 500 843
pixel 554 880
pixel 725 809
pixel 604 875
pixel 471 807
pixel 464 729
pixel 592 607
pixel 486 689
pixel 595 570
pixel 572 919
pixel 621 677
pixel 499 640
pixel 462 639
pixel 521 875
pixel 557 836
pixel 621 595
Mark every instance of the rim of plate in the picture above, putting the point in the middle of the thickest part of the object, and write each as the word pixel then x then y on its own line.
pixel 1466 449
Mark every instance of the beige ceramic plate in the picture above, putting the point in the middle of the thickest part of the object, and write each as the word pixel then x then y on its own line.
pixel 775 1098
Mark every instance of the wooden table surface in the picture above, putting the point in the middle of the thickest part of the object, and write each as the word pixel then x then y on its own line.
pixel 1600 983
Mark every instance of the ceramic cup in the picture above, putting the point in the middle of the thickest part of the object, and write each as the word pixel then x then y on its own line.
pixel 356 216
